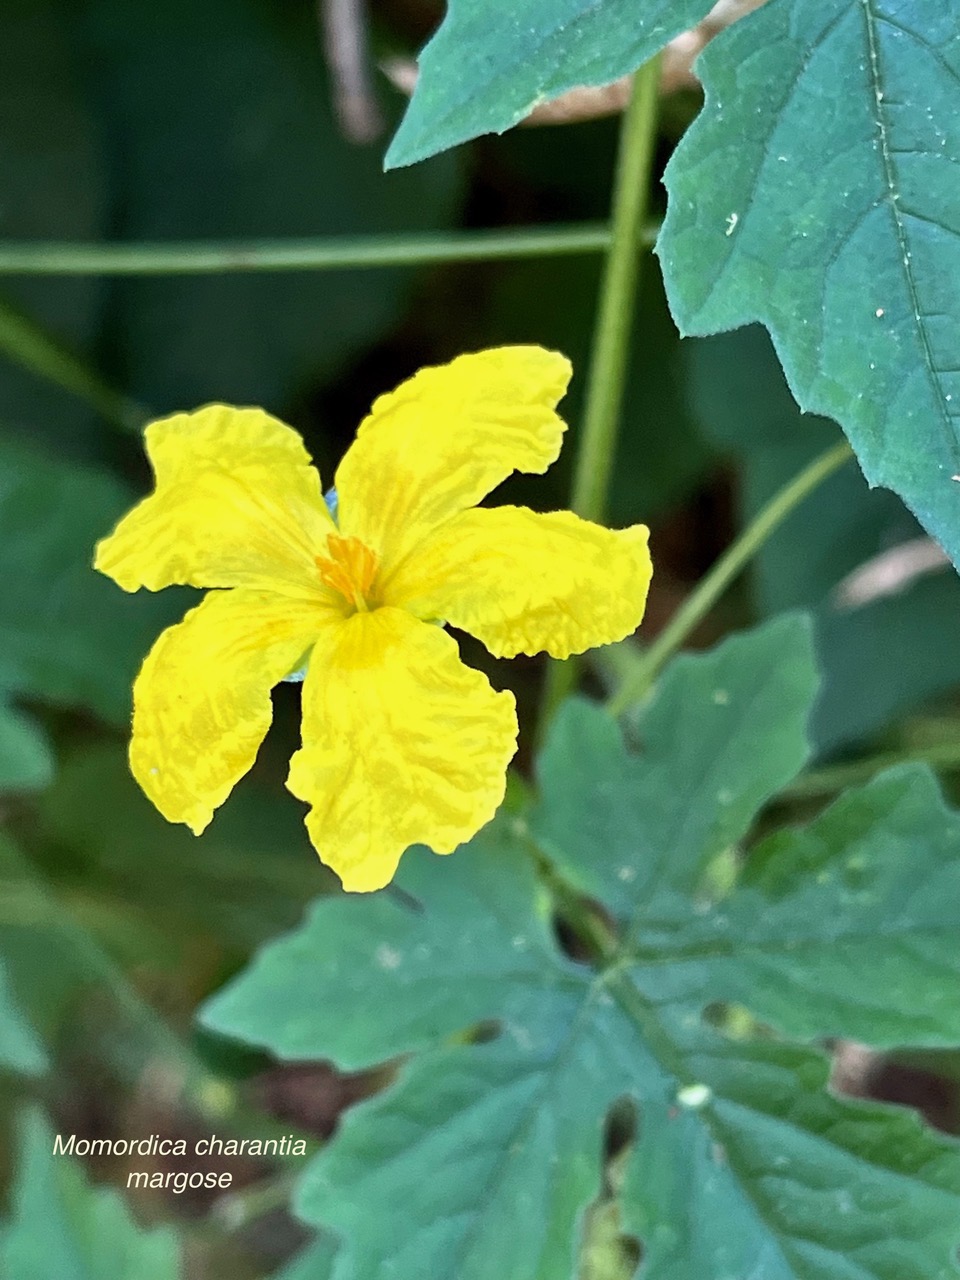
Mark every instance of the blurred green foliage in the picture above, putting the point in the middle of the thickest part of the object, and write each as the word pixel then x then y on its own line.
pixel 20 1050
pixel 88 1232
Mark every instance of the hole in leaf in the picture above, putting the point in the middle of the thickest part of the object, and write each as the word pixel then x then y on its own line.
pixel 484 1031
pixel 570 942
pixel 632 1251
pixel 606 1250
pixel 714 1014
pixel 574 939
pixel 924 1081
pixel 622 1128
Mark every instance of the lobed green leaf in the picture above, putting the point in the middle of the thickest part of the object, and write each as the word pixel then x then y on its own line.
pixel 482 1158
pixel 817 192
pixel 721 734
pixel 879 965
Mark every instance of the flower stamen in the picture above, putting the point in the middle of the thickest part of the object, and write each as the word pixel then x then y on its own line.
pixel 350 569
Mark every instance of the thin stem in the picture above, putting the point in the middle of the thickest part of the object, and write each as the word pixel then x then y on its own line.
pixel 618 293
pixel 325 254
pixel 737 555
pixel 833 778
pixel 24 342
pixel 614 324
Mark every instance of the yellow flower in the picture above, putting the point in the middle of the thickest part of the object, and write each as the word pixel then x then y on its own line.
pixel 402 743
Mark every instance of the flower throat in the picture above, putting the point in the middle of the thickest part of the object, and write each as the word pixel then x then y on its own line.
pixel 349 569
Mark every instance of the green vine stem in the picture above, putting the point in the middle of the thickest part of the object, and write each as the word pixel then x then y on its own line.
pixel 618 294
pixel 832 778
pixel 708 590
pixel 612 330
pixel 324 254
pixel 27 344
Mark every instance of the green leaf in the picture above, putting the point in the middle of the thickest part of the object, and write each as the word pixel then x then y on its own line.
pixel 759 1171
pixel 20 1049
pixel 880 965
pixel 26 760
pixel 485 70
pixel 67 634
pixel 498 1122
pixel 836 227
pixel 721 735
pixel 380 934
pixel 743 1163
pixel 61 1226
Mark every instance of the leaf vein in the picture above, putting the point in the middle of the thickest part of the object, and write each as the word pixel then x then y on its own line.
pixel 890 177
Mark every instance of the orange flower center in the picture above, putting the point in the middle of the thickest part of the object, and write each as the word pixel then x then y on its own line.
pixel 350 568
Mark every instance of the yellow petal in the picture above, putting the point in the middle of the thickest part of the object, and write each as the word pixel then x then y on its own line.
pixel 444 439
pixel 202 698
pixel 525 583
pixel 402 744
pixel 237 503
